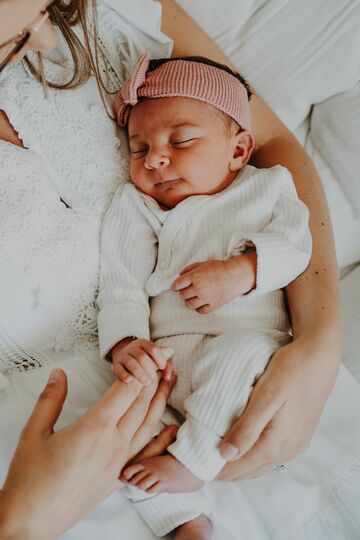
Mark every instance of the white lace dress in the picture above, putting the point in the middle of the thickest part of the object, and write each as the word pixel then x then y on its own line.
pixel 54 193
pixel 53 197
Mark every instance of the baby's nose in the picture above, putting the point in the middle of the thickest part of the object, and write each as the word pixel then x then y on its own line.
pixel 156 162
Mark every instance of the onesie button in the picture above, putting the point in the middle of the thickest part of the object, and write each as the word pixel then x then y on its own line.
pixel 162 264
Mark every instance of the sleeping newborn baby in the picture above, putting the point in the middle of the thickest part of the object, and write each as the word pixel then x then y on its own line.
pixel 195 252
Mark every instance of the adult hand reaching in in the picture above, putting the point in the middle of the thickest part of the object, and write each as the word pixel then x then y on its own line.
pixel 56 478
pixel 283 410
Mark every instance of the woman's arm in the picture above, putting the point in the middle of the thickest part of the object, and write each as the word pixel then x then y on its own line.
pixel 313 298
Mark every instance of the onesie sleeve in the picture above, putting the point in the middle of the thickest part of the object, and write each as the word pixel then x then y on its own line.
pixel 283 247
pixel 127 259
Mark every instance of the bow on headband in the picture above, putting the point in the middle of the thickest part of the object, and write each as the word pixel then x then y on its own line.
pixel 184 78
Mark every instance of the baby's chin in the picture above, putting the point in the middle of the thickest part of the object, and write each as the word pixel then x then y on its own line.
pixel 170 197
pixel 171 202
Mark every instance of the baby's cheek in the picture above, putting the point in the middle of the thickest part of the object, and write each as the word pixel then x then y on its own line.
pixel 136 173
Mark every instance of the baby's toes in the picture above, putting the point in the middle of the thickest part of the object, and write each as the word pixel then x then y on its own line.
pixel 149 482
pixel 156 487
pixel 130 471
pixel 138 478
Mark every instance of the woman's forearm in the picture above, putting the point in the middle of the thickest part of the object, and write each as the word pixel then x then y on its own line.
pixel 313 298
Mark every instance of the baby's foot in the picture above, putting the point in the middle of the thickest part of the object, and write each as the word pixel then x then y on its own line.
pixel 161 473
pixel 199 528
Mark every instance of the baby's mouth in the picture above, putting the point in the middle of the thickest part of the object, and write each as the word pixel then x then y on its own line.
pixel 166 182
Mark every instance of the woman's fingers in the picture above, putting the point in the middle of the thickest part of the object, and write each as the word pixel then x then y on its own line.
pixel 167 372
pixel 49 405
pixel 236 470
pixel 134 417
pixel 157 446
pixel 159 401
pixel 243 435
pixel 116 401
pixel 257 458
pixel 153 416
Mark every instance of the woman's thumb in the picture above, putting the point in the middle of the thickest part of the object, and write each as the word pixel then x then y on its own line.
pixel 49 405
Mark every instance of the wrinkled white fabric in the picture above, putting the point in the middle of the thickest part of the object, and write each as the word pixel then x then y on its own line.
pixel 144 248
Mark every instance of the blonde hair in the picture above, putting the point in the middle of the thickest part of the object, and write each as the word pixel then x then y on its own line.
pixel 65 14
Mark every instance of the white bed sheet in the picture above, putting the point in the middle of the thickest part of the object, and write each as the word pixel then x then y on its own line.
pixel 241 510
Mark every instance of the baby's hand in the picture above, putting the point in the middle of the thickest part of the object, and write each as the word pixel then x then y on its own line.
pixel 206 286
pixel 141 359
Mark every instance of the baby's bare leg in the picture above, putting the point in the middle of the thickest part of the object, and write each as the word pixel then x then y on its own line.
pixel 162 474
pixel 199 528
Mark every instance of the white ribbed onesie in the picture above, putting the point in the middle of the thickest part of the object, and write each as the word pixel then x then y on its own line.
pixel 218 356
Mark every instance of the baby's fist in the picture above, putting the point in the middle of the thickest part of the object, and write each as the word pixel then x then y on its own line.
pixel 140 359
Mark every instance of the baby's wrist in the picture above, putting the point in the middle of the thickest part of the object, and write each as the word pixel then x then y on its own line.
pixel 243 269
pixel 119 347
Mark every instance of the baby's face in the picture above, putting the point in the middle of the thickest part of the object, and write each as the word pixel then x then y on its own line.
pixel 179 147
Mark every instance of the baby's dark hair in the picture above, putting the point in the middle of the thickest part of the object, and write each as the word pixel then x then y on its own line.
pixel 229 122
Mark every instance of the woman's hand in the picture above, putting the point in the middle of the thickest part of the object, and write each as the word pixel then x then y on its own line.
pixel 283 410
pixel 56 478
pixel 140 444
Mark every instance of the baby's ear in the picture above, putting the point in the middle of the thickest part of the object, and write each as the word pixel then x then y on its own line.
pixel 243 146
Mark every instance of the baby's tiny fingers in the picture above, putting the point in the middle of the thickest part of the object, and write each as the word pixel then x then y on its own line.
pixel 181 282
pixel 190 267
pixel 122 374
pixel 204 309
pixel 147 363
pixel 187 293
pixel 158 354
pixel 133 366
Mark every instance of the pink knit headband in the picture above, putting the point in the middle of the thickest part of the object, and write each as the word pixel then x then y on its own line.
pixel 183 78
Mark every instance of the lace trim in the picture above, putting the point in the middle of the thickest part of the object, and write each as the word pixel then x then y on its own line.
pixel 51 208
pixel 15 354
pixel 59 250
